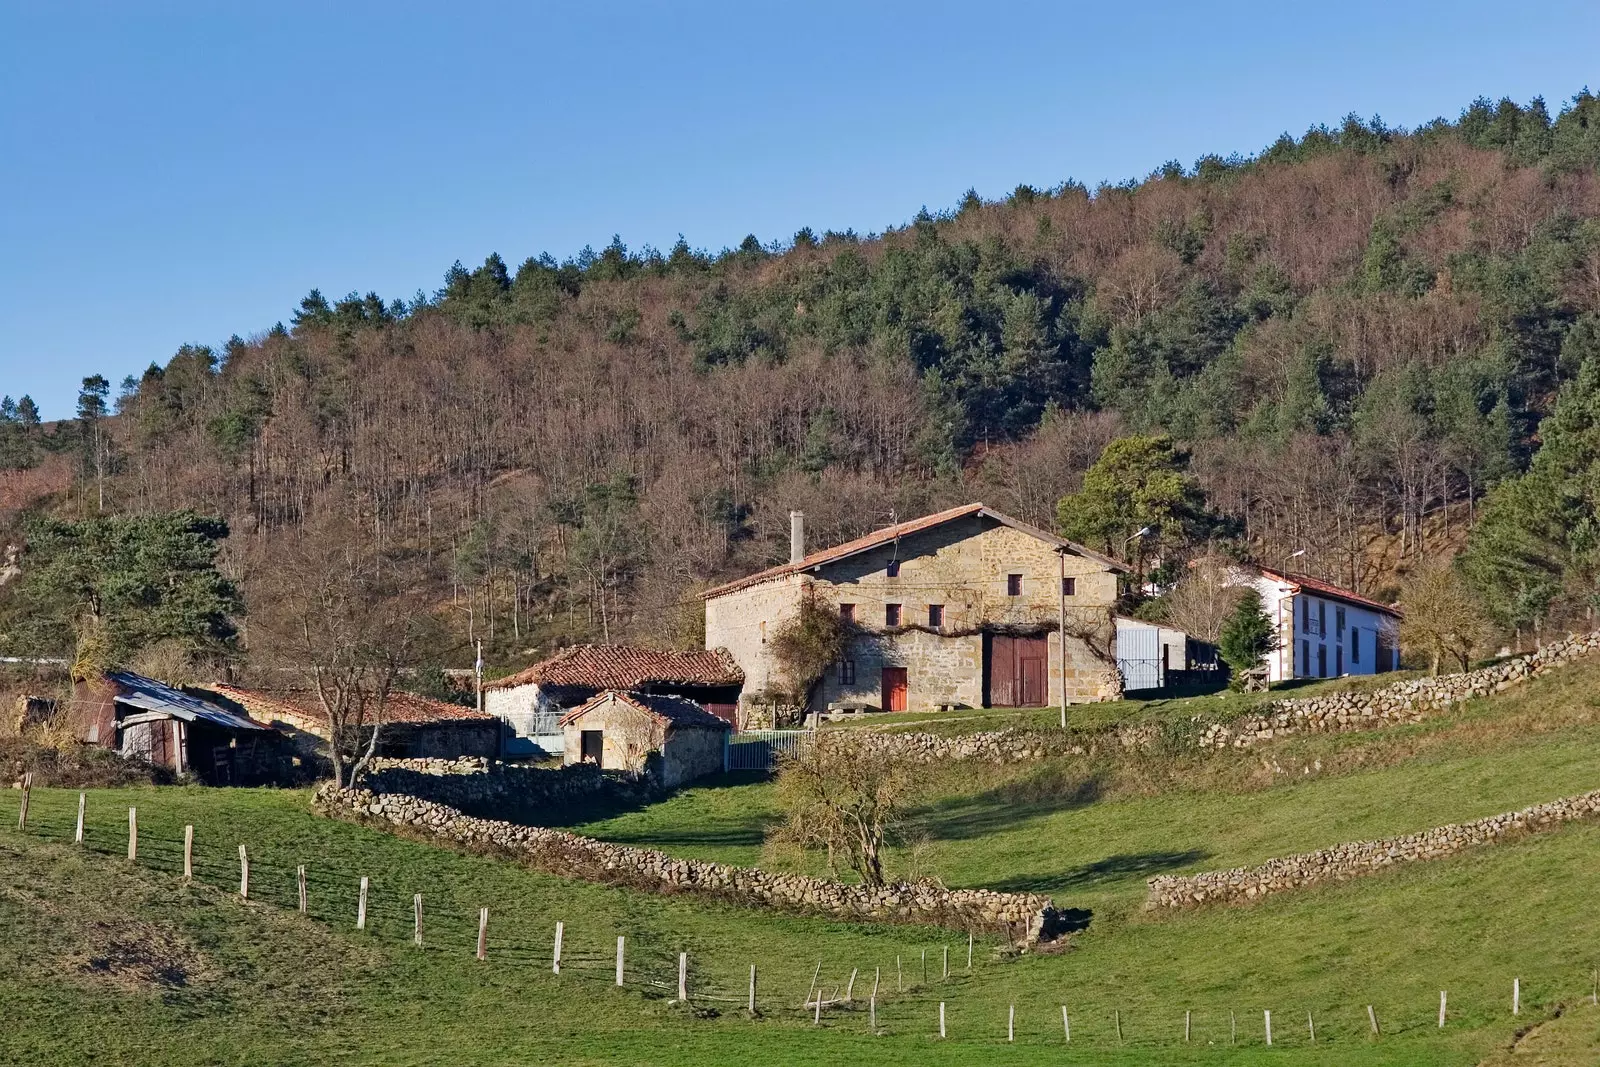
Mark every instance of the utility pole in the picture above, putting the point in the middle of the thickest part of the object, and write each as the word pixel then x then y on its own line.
pixel 1061 594
pixel 477 670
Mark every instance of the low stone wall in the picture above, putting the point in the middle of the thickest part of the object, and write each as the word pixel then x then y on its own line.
pixel 1342 862
pixel 478 786
pixel 1026 917
pixel 1407 701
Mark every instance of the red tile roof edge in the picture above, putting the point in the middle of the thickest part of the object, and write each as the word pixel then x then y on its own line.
pixel 401 709
pixel 725 672
pixel 1331 591
pixel 904 529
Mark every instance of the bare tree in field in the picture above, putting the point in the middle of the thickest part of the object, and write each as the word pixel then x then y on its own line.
pixel 1202 599
pixel 339 618
pixel 843 798
pixel 1442 616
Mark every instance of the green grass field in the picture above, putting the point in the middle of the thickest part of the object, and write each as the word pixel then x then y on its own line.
pixel 103 961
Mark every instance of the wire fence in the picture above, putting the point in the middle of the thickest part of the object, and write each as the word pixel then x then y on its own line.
pixel 923 991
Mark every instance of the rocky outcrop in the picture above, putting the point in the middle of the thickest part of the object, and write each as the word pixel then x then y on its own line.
pixel 1026 917
pixel 1353 860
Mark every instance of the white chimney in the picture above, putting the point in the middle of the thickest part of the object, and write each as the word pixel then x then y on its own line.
pixel 797 536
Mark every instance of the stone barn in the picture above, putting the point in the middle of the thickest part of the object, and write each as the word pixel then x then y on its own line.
pixel 670 738
pixel 412 726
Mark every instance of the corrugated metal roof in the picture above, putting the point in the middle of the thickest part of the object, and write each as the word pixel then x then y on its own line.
pixel 905 529
pixel 161 700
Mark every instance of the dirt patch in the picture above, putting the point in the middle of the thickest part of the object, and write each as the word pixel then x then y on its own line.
pixel 141 956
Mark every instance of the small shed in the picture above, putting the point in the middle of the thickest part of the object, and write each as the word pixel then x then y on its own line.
pixel 532 701
pixel 141 717
pixel 671 738
pixel 1152 656
pixel 412 726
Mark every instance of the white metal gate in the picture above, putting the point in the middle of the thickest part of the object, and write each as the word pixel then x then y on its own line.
pixel 759 750
pixel 1139 657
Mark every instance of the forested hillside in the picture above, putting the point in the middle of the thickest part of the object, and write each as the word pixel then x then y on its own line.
pixel 1353 336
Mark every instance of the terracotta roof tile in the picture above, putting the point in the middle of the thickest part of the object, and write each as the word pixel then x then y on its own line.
pixel 401 708
pixel 1331 591
pixel 898 530
pixel 670 710
pixel 627 667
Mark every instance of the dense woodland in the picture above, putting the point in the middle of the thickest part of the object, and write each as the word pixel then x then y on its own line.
pixel 1351 337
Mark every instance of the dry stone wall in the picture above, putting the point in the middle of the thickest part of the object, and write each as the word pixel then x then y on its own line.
pixel 1026 917
pixel 479 786
pixel 1408 701
pixel 1352 860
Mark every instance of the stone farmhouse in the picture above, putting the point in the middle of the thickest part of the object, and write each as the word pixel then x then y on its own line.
pixel 1324 631
pixel 963 608
pixel 668 738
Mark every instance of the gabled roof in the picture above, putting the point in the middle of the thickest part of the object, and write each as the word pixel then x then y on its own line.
pixel 157 700
pixel 399 708
pixel 627 667
pixel 667 710
pixel 884 536
pixel 1317 587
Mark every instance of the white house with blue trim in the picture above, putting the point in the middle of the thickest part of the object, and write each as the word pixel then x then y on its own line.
pixel 1325 631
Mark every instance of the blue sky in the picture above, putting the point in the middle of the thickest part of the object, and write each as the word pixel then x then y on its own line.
pixel 176 173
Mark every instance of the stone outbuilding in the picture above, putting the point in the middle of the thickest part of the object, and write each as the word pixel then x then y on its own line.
pixel 412 726
pixel 963 608
pixel 670 738
pixel 532 701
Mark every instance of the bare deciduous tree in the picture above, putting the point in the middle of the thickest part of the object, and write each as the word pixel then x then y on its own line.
pixel 846 799
pixel 1442 616
pixel 1201 600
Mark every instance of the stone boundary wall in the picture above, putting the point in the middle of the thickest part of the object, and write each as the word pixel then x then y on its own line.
pixel 1342 862
pixel 479 786
pixel 1403 702
pixel 1026 917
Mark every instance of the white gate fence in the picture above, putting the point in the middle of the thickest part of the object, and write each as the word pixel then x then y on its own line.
pixel 759 750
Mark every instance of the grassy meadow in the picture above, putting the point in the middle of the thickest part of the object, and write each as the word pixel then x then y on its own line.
pixel 107 961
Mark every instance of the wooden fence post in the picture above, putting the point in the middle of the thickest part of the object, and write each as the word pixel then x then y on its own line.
pixel 946 976
pixel 872 1005
pixel 188 851
pixel 483 933
pixel 1372 1017
pixel 850 989
pixel 1266 1017
pixel 1516 996
pixel 969 950
pixel 1233 1028
pixel 27 794
pixel 816 1011
pixel 924 966
pixel 300 885
pixel 751 1007
pixel 361 905
pixel 900 985
pixel 813 986
pixel 1066 1023
pixel 620 943
pixel 1116 1016
pixel 77 835
pixel 1011 1023
pixel 1441 1008
pixel 941 1018
pixel 1186 1026
pixel 133 834
pixel 683 978
pixel 244 874
pixel 416 913
pixel 555 960
pixel 1311 1024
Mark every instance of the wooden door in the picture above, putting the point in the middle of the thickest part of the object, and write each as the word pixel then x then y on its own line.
pixel 592 747
pixel 894 689
pixel 1016 671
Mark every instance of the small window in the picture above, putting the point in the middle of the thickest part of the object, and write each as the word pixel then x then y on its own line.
pixel 891 614
pixel 1338 661
pixel 847 672
pixel 935 616
pixel 1013 585
pixel 1069 587
pixel 1355 644
pixel 894 568
pixel 1322 617
pixel 1338 621
pixel 1305 659
pixel 847 612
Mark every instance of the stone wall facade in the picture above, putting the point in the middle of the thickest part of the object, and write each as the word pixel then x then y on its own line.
pixel 1352 860
pixel 1026 917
